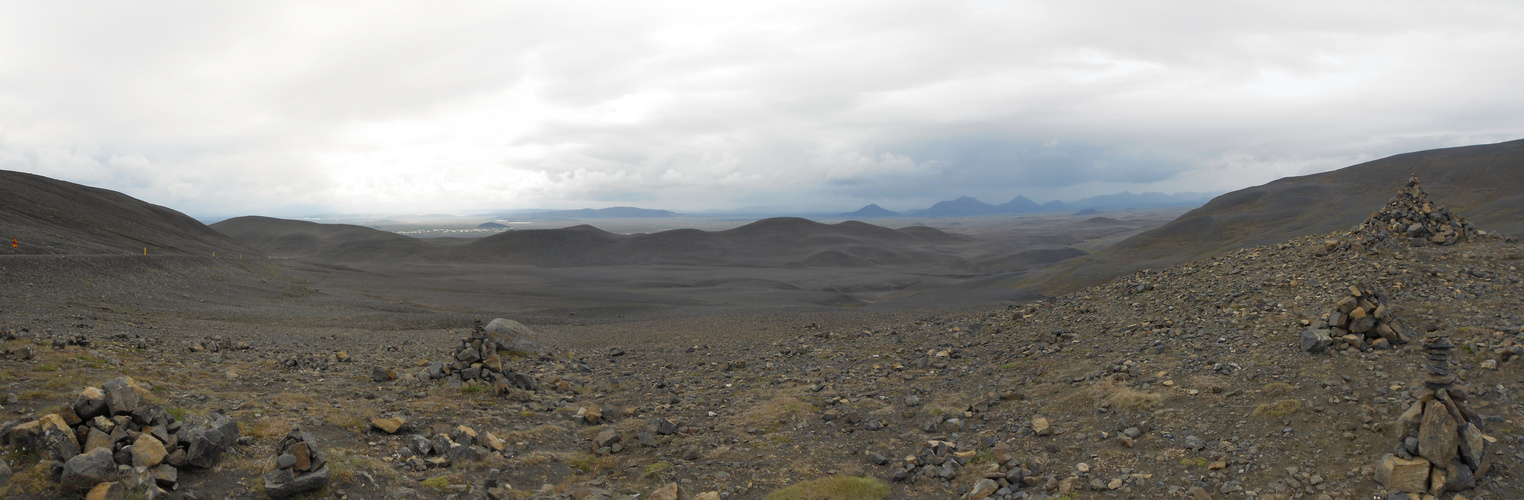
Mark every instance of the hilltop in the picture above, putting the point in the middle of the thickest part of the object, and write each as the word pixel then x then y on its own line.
pixel 1485 182
pixel 53 217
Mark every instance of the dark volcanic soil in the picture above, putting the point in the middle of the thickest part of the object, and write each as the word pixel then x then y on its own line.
pixel 1150 386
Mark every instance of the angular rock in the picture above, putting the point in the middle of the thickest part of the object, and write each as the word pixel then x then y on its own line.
pixel 1438 438
pixel 669 491
pixel 210 440
pixel 1458 477
pixel 147 451
pixel 97 439
pixel 388 425
pixel 122 396
pixel 90 403
pixel 664 427
pixel 107 491
pixel 420 445
pixel 982 489
pixel 86 470
pixel 61 445
pixel 606 438
pixel 512 335
pixel 1398 474
pixel 1315 340
pixel 492 442
pixel 281 483
pixel 1041 427
pixel 382 374
pixel 165 475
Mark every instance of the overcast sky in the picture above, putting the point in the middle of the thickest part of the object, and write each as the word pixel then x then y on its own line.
pixel 273 108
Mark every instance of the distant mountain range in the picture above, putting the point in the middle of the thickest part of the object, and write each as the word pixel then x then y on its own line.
pixel 968 206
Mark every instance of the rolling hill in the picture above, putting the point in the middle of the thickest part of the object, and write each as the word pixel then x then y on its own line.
pixel 49 216
pixel 1483 183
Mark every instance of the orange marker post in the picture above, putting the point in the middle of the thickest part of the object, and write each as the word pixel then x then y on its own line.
pixel 15 242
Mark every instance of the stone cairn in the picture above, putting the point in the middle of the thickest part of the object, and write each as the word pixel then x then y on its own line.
pixel 111 441
pixel 1362 320
pixel 1444 448
pixel 478 358
pixel 299 466
pixel 1410 215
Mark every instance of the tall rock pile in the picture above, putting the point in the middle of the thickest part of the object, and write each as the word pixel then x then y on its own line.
pixel 112 439
pixel 1362 320
pixel 479 357
pixel 1444 448
pixel 1411 216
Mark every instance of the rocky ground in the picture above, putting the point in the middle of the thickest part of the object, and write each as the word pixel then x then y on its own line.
pixel 1186 382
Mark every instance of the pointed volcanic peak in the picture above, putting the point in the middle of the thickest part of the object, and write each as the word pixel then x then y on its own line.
pixel 1020 204
pixel 871 211
pixel 1411 216
pixel 321 242
pixel 48 216
pixel 1485 182
pixel 961 207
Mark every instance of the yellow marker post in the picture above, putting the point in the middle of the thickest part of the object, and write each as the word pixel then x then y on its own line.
pixel 145 250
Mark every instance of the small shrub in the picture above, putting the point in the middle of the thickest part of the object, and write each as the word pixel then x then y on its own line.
pixel 437 483
pixel 654 471
pixel 1279 408
pixel 834 488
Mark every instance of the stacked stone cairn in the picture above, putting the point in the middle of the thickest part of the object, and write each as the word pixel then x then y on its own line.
pixel 110 441
pixel 1362 320
pixel 478 358
pixel 299 466
pixel 1444 448
pixel 1412 217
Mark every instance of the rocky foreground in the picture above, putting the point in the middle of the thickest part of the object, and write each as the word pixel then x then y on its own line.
pixel 1243 376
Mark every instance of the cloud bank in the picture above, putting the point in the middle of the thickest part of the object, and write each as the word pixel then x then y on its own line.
pixel 289 108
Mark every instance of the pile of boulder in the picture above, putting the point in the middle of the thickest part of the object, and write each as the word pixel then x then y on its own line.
pixel 1444 448
pixel 940 459
pixel 299 466
pixel 1412 217
pixel 479 358
pixel 111 439
pixel 1362 320
pixel 447 446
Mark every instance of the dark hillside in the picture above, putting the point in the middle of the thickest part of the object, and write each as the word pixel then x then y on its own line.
pixel 49 216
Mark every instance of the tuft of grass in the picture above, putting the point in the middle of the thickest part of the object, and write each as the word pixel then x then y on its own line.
pixel 780 408
pixel 1279 408
pixel 438 483
pixel 654 471
pixel 1276 388
pixel 1127 397
pixel 587 462
pixel 1010 366
pixel 837 487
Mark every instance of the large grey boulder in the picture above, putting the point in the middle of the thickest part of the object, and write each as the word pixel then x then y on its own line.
pixel 122 396
pixel 86 470
pixel 1315 340
pixel 209 439
pixel 512 335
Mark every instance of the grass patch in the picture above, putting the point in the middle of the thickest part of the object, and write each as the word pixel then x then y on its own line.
pixel 654 471
pixel 1126 397
pixel 37 480
pixel 834 488
pixel 768 414
pixel 1198 462
pixel 439 483
pixel 1277 388
pixel 1010 366
pixel 1279 408
pixel 587 462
